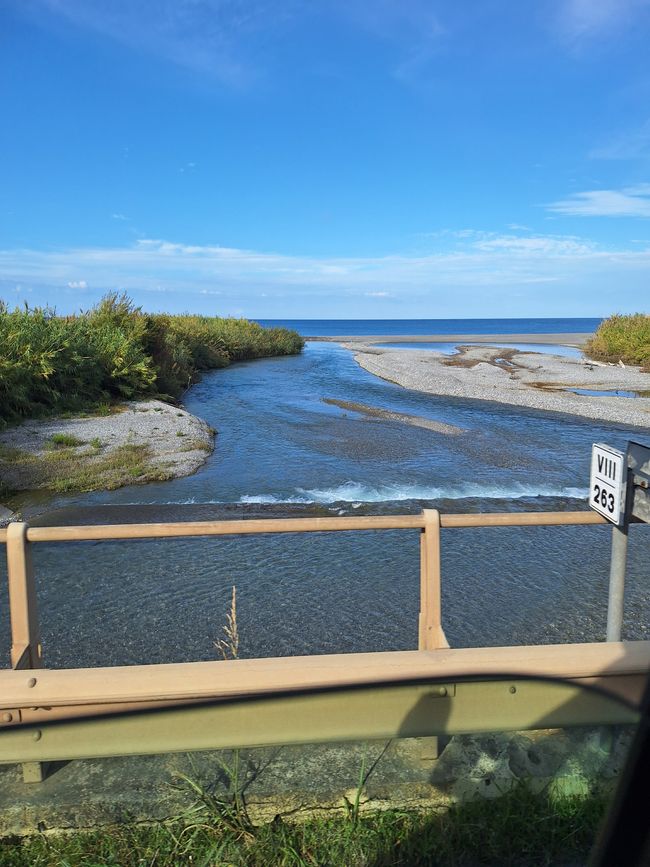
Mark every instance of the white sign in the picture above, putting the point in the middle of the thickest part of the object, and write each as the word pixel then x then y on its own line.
pixel 607 482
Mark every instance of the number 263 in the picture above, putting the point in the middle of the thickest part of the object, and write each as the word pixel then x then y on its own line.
pixel 605 499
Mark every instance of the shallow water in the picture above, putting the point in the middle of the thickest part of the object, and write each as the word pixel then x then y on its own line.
pixel 281 450
pixel 611 393
pixel 448 348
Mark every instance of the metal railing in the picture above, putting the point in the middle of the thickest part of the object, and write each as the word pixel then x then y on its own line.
pixel 31 696
pixel 26 650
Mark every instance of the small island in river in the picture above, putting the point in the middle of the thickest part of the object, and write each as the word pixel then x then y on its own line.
pixel 536 380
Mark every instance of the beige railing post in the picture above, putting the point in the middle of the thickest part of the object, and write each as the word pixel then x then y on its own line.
pixel 25 640
pixel 431 635
pixel 26 650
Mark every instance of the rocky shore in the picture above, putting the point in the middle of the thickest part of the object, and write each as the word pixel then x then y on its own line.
pixel 528 379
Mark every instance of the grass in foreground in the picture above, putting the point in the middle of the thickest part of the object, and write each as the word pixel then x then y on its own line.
pixel 519 828
pixel 622 338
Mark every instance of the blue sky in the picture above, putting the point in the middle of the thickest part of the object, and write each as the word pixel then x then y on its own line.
pixel 332 158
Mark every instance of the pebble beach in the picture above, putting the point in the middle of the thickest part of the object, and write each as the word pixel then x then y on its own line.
pixel 536 380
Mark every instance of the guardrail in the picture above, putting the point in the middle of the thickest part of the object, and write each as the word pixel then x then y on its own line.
pixel 31 696
pixel 26 650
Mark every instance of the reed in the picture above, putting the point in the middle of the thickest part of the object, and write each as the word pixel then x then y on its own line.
pixel 53 364
pixel 622 338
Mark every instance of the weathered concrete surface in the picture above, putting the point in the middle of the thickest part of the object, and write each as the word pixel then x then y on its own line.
pixel 306 780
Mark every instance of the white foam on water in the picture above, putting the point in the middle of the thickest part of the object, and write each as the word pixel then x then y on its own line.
pixel 356 492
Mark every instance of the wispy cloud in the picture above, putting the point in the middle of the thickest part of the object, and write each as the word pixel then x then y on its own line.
pixel 553 245
pixel 580 20
pixel 211 36
pixel 393 20
pixel 414 29
pixel 627 202
pixel 481 271
pixel 228 39
pixel 631 145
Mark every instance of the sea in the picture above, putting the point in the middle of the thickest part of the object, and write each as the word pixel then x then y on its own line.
pixel 284 449
pixel 361 327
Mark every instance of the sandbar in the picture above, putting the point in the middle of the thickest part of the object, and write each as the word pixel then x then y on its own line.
pixel 525 379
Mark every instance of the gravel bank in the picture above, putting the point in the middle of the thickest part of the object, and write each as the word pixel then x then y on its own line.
pixel 169 442
pixel 530 379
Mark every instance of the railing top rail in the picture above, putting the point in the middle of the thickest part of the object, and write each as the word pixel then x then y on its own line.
pixel 186 680
pixel 181 529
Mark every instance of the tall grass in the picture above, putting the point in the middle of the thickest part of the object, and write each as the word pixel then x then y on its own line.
pixel 622 338
pixel 51 363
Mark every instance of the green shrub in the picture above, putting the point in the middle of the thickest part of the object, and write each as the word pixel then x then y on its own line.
pixel 51 363
pixel 622 338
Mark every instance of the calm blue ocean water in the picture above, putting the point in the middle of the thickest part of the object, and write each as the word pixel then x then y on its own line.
pixel 360 327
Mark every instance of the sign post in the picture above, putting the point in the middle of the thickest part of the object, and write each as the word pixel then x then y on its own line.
pixel 619 489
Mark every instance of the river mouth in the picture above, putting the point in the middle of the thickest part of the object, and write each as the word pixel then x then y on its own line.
pixel 283 452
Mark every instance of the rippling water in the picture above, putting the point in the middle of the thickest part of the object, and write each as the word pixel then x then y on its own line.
pixel 281 450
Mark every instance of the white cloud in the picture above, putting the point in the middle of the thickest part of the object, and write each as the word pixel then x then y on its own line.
pixel 534 244
pixel 120 217
pixel 628 202
pixel 481 272
pixel 77 284
pixel 579 20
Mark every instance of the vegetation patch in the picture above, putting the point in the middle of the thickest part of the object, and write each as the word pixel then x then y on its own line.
pixel 516 828
pixel 58 440
pixel 53 364
pixel 196 445
pixel 622 338
pixel 70 469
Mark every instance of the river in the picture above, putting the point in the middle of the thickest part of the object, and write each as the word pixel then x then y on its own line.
pixel 282 450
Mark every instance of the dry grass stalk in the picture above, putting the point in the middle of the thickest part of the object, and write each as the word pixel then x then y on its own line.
pixel 229 646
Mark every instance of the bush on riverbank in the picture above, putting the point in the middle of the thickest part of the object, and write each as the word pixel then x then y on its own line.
pixel 51 363
pixel 622 338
